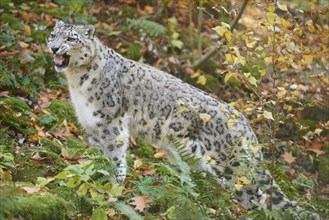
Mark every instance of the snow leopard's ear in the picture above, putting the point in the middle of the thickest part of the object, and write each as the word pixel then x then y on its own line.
pixel 59 23
pixel 89 31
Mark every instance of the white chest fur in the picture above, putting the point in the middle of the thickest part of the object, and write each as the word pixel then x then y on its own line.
pixel 83 110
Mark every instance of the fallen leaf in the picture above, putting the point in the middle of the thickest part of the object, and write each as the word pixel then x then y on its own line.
pixel 31 190
pixel 268 115
pixel 137 164
pixel 316 151
pixel 288 157
pixel 140 202
pixel 160 154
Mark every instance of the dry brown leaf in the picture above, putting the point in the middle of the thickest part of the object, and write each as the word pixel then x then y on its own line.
pixel 288 157
pixel 316 151
pixel 31 190
pixel 160 154
pixel 141 202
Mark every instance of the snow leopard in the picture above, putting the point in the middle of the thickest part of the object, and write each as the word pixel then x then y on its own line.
pixel 115 98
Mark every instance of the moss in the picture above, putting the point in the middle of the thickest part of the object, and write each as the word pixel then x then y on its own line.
pixel 15 113
pixel 51 145
pixel 63 110
pixel 72 142
pixel 324 170
pixel 28 170
pixel 144 150
pixel 34 206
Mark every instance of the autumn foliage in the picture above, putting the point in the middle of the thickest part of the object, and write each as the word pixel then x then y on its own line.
pixel 272 65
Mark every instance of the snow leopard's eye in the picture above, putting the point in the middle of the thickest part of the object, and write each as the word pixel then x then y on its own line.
pixel 70 39
pixel 52 36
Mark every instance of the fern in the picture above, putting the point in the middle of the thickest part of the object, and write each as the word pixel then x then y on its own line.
pixel 151 28
pixel 287 187
pixel 186 155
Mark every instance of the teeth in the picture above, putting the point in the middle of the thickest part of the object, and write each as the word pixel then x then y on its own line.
pixel 59 59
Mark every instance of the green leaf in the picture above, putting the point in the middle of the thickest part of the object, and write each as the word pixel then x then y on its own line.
pixel 74 169
pixel 96 196
pixel 63 175
pixel 83 189
pixel 41 181
pixel 99 214
pixel 177 43
pixel 268 115
pixel 73 181
pixel 252 80
pixel 116 190
pixel 128 211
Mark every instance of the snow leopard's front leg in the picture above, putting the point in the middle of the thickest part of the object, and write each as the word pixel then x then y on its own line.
pixel 114 140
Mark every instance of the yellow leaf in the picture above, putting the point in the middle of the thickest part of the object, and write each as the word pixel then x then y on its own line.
pixel 244 180
pixel 212 162
pixel 181 110
pixel 308 59
pixel 262 72
pixel 268 115
pixel 271 8
pixel 251 43
pixel 27 29
pixel 196 74
pixel 220 30
pixel 268 60
pixel 202 80
pixel 282 7
pixel 228 35
pixel 229 57
pixel 252 80
pixel 231 122
pixel 25 16
pixel 204 117
pixel 282 92
pixel 318 131
pixel 247 75
pixel 311 28
pixel 228 76
pixel 270 16
pixel 238 186
pixel 236 113
pixel 255 149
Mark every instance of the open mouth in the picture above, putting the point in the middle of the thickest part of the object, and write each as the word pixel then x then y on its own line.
pixel 61 61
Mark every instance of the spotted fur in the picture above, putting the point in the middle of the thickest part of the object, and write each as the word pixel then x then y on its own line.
pixel 115 98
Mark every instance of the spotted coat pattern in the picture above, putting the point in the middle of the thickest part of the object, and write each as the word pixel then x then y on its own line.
pixel 115 98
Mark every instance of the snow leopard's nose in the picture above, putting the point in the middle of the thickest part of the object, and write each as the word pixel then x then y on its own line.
pixel 55 49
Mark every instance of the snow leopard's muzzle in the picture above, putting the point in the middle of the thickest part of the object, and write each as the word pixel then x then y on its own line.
pixel 61 60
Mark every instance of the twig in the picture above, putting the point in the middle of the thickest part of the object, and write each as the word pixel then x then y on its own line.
pixel 213 50
pixel 200 19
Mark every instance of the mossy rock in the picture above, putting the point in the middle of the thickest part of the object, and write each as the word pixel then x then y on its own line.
pixel 30 206
pixel 63 110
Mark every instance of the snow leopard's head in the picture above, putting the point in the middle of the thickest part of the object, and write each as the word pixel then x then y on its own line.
pixel 72 45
